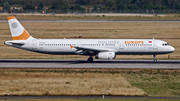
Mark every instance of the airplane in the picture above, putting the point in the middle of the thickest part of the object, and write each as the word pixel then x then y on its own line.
pixel 100 48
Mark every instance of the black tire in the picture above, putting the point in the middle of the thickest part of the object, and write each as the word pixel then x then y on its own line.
pixel 90 60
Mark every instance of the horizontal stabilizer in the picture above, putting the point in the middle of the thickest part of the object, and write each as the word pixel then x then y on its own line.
pixel 13 43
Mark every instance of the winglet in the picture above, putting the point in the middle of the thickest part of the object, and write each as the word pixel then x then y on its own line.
pixel 72 46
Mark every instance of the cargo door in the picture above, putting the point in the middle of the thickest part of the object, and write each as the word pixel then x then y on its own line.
pixel 121 46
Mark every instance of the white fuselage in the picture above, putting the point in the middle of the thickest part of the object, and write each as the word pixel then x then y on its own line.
pixel 118 46
pixel 100 48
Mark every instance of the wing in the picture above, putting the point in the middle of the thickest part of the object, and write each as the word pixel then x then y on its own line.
pixel 88 50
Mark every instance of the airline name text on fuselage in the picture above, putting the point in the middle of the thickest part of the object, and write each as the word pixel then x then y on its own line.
pixel 108 42
pixel 133 42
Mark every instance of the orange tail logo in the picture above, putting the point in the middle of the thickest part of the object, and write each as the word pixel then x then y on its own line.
pixel 23 36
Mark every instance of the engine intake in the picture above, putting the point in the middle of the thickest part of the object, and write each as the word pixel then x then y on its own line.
pixel 106 55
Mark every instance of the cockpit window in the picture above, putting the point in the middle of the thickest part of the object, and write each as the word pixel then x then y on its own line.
pixel 165 44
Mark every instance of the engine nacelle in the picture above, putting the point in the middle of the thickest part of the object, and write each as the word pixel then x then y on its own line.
pixel 106 55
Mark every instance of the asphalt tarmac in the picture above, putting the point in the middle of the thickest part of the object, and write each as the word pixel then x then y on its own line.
pixel 73 63
pixel 95 21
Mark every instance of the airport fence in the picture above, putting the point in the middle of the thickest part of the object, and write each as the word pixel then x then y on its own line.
pixel 48 11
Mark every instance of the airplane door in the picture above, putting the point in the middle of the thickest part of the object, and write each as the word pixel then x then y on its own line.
pixel 121 46
pixel 79 44
pixel 34 45
pixel 155 45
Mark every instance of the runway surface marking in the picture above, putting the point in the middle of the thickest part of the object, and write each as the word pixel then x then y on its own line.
pixel 66 63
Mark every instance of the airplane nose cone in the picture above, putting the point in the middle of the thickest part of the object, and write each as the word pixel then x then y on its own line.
pixel 172 49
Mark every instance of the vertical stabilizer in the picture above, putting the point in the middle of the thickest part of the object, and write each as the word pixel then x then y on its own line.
pixel 18 32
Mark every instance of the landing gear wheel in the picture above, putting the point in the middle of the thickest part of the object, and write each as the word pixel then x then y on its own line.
pixel 90 60
pixel 155 60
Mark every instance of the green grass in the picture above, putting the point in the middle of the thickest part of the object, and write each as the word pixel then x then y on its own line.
pixel 157 82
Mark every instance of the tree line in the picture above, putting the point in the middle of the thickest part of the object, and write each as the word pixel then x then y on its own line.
pixel 94 4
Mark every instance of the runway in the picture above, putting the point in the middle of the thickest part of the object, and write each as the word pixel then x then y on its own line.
pixel 95 21
pixel 73 63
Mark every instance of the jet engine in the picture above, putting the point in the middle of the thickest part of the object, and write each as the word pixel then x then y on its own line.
pixel 106 55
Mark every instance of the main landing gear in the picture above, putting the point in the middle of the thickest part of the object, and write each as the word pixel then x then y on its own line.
pixel 155 60
pixel 90 59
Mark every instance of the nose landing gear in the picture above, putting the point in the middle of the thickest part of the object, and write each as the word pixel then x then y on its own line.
pixel 155 60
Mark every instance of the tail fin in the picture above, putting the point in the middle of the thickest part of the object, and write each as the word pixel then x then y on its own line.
pixel 18 32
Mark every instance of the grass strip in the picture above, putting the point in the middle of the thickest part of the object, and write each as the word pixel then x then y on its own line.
pixel 124 82
pixel 93 17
